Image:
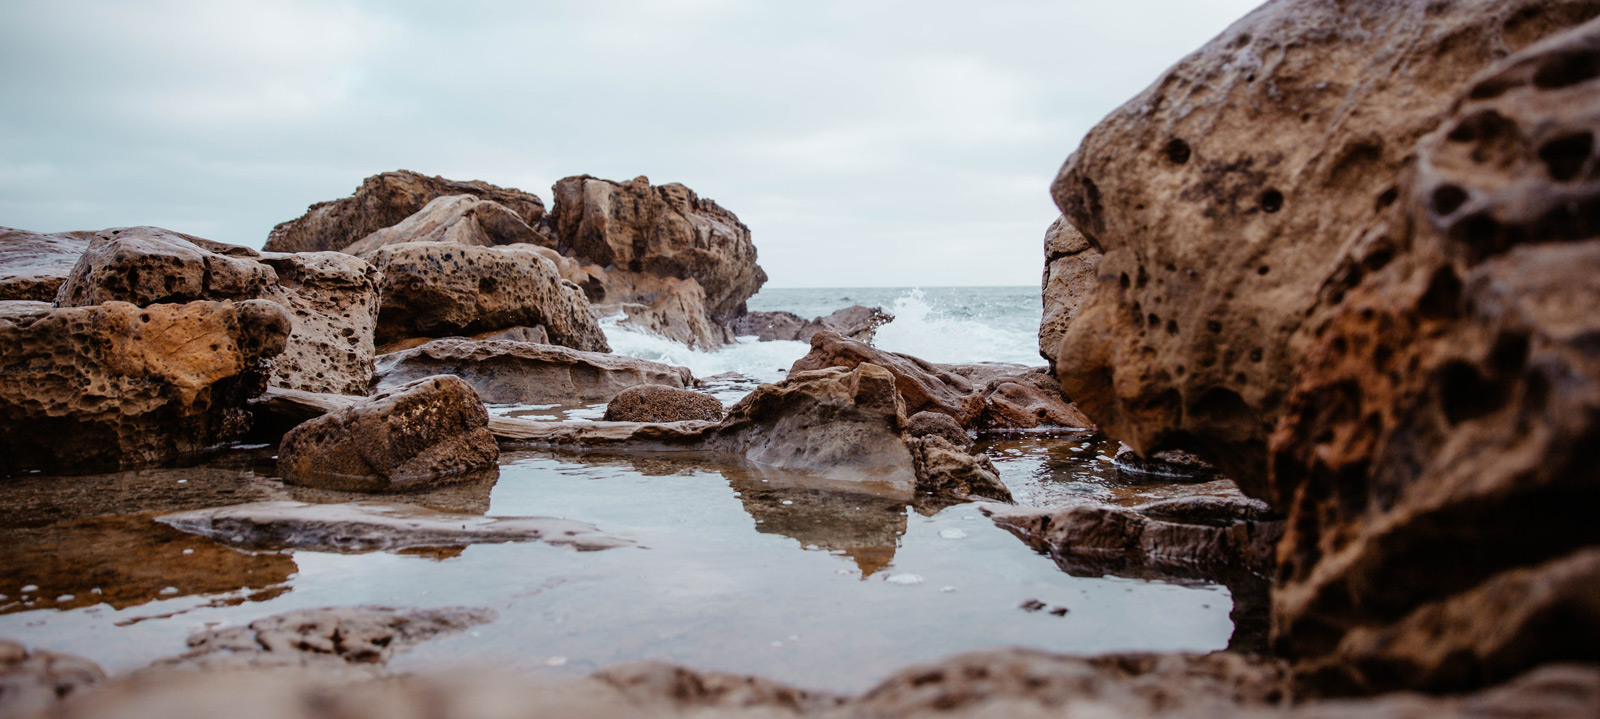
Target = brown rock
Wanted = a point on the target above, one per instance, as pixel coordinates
(412, 436)
(532, 335)
(948, 471)
(332, 300)
(1170, 465)
(1437, 457)
(1028, 399)
(33, 265)
(665, 230)
(663, 306)
(149, 265)
(856, 322)
(440, 289)
(385, 200)
(33, 681)
(1069, 277)
(924, 424)
(1116, 539)
(506, 372)
(114, 385)
(1223, 194)
(656, 403)
(458, 219)
(924, 385)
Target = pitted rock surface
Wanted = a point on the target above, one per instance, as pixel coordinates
(149, 265)
(657, 403)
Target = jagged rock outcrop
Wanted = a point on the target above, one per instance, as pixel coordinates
(1437, 457)
(856, 322)
(461, 219)
(440, 289)
(114, 385)
(1223, 195)
(1069, 277)
(33, 265)
(410, 437)
(332, 300)
(925, 386)
(665, 230)
(506, 372)
(657, 403)
(149, 265)
(385, 200)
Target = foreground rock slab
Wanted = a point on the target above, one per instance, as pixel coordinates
(33, 265)
(365, 527)
(32, 681)
(509, 372)
(412, 436)
(114, 385)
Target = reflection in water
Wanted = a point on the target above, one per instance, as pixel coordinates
(1044, 471)
(865, 527)
(467, 494)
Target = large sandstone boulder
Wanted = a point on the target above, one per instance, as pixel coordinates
(656, 403)
(1437, 458)
(925, 386)
(665, 230)
(33, 265)
(114, 385)
(506, 372)
(462, 219)
(440, 289)
(1223, 195)
(410, 437)
(385, 200)
(332, 300)
(1069, 276)
(149, 265)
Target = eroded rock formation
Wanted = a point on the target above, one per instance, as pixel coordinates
(149, 265)
(1069, 276)
(507, 372)
(332, 300)
(460, 219)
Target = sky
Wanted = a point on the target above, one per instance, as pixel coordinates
(864, 142)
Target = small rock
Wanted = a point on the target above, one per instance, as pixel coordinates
(656, 403)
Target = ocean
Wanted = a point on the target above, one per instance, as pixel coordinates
(938, 324)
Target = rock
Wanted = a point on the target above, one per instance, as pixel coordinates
(980, 374)
(114, 385)
(33, 265)
(948, 471)
(1436, 458)
(1069, 277)
(663, 306)
(385, 200)
(1223, 195)
(656, 403)
(770, 326)
(660, 683)
(440, 289)
(1171, 465)
(533, 335)
(1206, 509)
(1114, 539)
(367, 527)
(332, 300)
(924, 385)
(150, 265)
(1029, 399)
(409, 437)
(665, 230)
(33, 681)
(936, 424)
(457, 219)
(856, 322)
(505, 372)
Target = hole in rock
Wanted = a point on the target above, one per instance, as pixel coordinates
(1271, 201)
(1443, 296)
(1387, 198)
(1464, 394)
(1564, 156)
(1567, 68)
(1177, 151)
(1448, 199)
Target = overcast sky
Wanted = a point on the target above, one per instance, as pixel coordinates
(865, 143)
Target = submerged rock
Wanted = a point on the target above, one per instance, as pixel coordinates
(507, 372)
(33, 681)
(656, 403)
(332, 300)
(1069, 277)
(33, 265)
(409, 437)
(457, 219)
(856, 322)
(115, 385)
(366, 527)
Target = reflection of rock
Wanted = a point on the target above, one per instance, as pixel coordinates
(1069, 276)
(126, 561)
(465, 494)
(856, 322)
(32, 681)
(413, 436)
(655, 403)
(147, 265)
(115, 385)
(367, 527)
(33, 265)
(865, 527)
(522, 373)
(322, 638)
(948, 471)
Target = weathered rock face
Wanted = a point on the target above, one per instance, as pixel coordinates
(332, 300)
(149, 265)
(947, 470)
(1223, 195)
(114, 385)
(386, 200)
(925, 386)
(1117, 539)
(33, 265)
(508, 372)
(656, 403)
(1437, 458)
(409, 437)
(664, 306)
(856, 322)
(461, 219)
(923, 424)
(437, 289)
(665, 230)
(1031, 398)
(1069, 277)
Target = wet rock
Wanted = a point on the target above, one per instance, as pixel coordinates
(669, 307)
(385, 200)
(924, 385)
(366, 527)
(115, 385)
(856, 322)
(33, 265)
(666, 230)
(149, 265)
(867, 527)
(332, 300)
(442, 289)
(520, 373)
(412, 436)
(946, 470)
(656, 403)
(34, 681)
(1170, 465)
(1116, 539)
(925, 424)
(1223, 195)
(1029, 399)
(457, 219)
(1436, 459)
(1206, 509)
(1069, 278)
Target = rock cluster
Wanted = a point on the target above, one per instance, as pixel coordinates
(856, 322)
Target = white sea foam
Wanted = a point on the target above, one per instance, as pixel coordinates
(763, 361)
(923, 328)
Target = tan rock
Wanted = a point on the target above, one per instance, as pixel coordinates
(925, 386)
(33, 265)
(656, 403)
(1028, 399)
(460, 219)
(332, 300)
(149, 265)
(506, 372)
(1069, 277)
